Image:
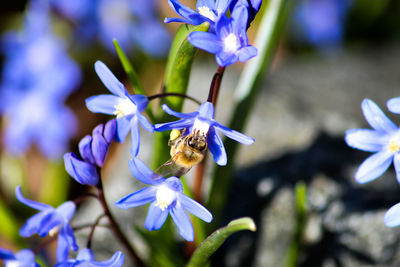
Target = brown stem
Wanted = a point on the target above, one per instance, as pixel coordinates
(215, 85)
(90, 237)
(115, 227)
(212, 97)
(79, 199)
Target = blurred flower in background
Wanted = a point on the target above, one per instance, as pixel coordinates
(135, 24)
(37, 77)
(321, 23)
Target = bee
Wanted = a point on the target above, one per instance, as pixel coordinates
(186, 151)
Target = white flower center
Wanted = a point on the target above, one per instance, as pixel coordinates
(125, 107)
(13, 263)
(231, 42)
(201, 127)
(165, 197)
(54, 231)
(206, 12)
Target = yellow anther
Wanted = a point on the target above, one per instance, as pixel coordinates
(394, 146)
(174, 134)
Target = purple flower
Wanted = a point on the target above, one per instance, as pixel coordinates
(93, 150)
(383, 140)
(166, 197)
(207, 10)
(50, 221)
(229, 43)
(203, 121)
(85, 257)
(127, 108)
(24, 258)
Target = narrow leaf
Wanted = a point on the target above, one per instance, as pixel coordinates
(202, 254)
(177, 77)
(268, 35)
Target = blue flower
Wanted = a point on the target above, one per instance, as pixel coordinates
(49, 221)
(229, 43)
(127, 108)
(394, 105)
(37, 75)
(321, 21)
(85, 258)
(207, 10)
(166, 197)
(203, 121)
(24, 258)
(383, 139)
(93, 150)
(253, 6)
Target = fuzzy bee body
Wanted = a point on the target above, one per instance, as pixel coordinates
(186, 151)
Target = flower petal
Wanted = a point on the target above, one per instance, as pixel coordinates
(366, 139)
(155, 217)
(396, 163)
(62, 248)
(25, 257)
(140, 171)
(179, 114)
(169, 20)
(185, 123)
(240, 16)
(145, 123)
(195, 208)
(32, 225)
(66, 210)
(182, 221)
(226, 58)
(216, 147)
(206, 41)
(109, 80)
(235, 135)
(117, 260)
(123, 127)
(373, 167)
(221, 6)
(141, 197)
(135, 136)
(83, 172)
(110, 131)
(182, 10)
(376, 118)
(392, 216)
(141, 101)
(85, 149)
(6, 254)
(99, 148)
(206, 110)
(394, 105)
(85, 254)
(246, 53)
(33, 204)
(102, 103)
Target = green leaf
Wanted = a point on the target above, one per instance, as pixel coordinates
(130, 71)
(177, 77)
(247, 90)
(301, 217)
(202, 254)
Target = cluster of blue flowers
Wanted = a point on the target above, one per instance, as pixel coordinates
(134, 23)
(38, 75)
(384, 141)
(227, 37)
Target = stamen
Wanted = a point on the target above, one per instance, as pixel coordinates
(231, 42)
(54, 231)
(394, 146)
(206, 12)
(200, 127)
(125, 107)
(165, 197)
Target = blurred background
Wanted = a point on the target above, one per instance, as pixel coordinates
(333, 54)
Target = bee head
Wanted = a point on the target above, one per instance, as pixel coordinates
(197, 142)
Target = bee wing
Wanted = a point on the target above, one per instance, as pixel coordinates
(170, 168)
